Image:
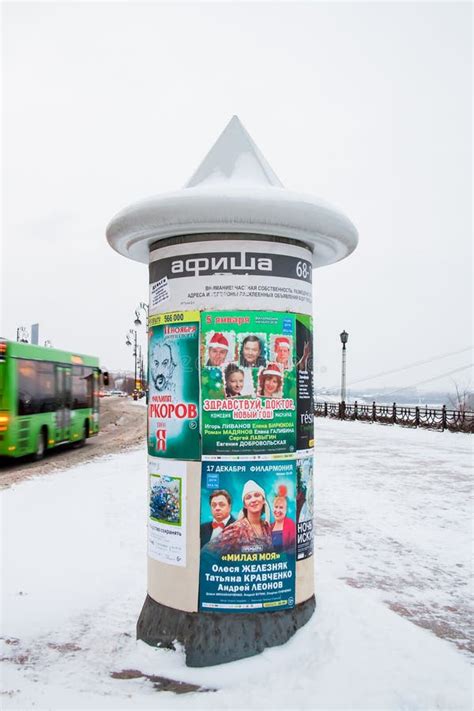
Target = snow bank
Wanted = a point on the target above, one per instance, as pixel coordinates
(389, 500)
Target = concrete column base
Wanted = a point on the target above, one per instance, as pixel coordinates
(214, 638)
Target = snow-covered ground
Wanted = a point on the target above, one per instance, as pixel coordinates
(394, 514)
(393, 544)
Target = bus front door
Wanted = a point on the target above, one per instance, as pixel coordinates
(63, 404)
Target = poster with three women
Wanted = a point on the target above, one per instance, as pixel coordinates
(248, 535)
(248, 382)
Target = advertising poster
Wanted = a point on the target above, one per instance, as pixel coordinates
(173, 402)
(167, 511)
(248, 535)
(304, 505)
(304, 378)
(248, 382)
(238, 274)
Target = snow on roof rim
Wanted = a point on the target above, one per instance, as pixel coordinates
(234, 189)
(269, 210)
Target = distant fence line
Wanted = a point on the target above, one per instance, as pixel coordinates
(426, 417)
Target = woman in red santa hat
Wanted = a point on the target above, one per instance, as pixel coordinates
(270, 381)
(282, 352)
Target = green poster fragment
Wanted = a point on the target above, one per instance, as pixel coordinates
(173, 407)
(248, 382)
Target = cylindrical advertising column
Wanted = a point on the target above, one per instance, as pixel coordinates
(230, 405)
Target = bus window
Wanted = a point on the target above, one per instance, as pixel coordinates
(82, 387)
(26, 387)
(46, 391)
(36, 389)
(95, 389)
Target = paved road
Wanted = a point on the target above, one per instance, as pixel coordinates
(123, 425)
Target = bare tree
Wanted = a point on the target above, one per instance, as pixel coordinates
(462, 397)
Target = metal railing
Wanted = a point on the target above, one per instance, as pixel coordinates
(408, 416)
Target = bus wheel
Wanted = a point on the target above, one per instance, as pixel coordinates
(40, 446)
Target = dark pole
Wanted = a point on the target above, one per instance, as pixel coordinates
(344, 336)
(133, 343)
(140, 367)
(141, 307)
(135, 354)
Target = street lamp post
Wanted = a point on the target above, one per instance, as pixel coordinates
(141, 307)
(138, 322)
(128, 340)
(141, 371)
(344, 336)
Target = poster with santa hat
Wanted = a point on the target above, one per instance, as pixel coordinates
(248, 382)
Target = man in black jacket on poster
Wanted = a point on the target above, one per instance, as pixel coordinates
(220, 502)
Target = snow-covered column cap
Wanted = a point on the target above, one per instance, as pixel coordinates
(234, 190)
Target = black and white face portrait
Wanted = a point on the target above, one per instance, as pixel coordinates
(162, 366)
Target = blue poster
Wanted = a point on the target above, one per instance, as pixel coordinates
(248, 536)
(304, 505)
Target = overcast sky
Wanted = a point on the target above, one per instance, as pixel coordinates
(366, 105)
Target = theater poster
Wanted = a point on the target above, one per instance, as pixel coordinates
(248, 535)
(173, 401)
(248, 382)
(304, 378)
(304, 505)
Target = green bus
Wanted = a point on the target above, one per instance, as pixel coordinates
(47, 397)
